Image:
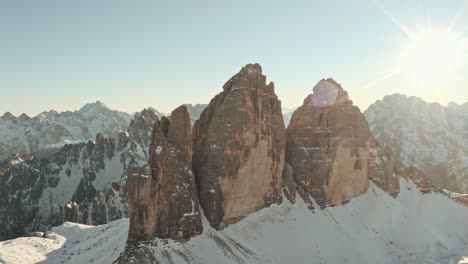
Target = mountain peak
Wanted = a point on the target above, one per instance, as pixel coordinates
(96, 106)
(8, 116)
(24, 117)
(247, 76)
(326, 92)
(158, 113)
(455, 106)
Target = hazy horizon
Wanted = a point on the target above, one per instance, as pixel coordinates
(132, 55)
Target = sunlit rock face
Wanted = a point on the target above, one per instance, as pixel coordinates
(327, 147)
(163, 200)
(239, 144)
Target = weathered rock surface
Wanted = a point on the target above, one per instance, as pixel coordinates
(383, 168)
(328, 143)
(163, 200)
(239, 149)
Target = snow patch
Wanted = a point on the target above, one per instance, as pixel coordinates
(158, 150)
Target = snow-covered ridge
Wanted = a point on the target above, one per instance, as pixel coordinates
(25, 135)
(425, 135)
(372, 228)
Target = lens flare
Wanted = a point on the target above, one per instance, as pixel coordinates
(433, 56)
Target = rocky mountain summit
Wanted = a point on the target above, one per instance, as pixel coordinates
(430, 137)
(244, 159)
(330, 152)
(239, 148)
(25, 135)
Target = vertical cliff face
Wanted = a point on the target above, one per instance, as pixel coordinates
(162, 196)
(239, 144)
(328, 143)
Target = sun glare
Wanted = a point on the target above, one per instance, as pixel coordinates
(430, 56)
(433, 56)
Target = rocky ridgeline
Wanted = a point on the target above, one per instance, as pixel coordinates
(330, 153)
(27, 135)
(428, 136)
(243, 158)
(84, 183)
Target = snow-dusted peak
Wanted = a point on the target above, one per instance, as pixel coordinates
(24, 117)
(93, 107)
(395, 104)
(8, 116)
(424, 135)
(158, 113)
(50, 129)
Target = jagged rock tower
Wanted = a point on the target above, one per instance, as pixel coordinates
(239, 144)
(162, 196)
(328, 148)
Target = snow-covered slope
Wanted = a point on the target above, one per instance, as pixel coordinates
(373, 228)
(69, 243)
(427, 136)
(25, 135)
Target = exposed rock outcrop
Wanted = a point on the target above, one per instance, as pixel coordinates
(328, 143)
(163, 200)
(239, 144)
(141, 126)
(383, 168)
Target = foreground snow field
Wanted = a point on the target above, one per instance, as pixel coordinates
(373, 228)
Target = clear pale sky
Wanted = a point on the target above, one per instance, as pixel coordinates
(134, 54)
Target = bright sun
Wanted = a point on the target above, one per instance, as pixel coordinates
(432, 56)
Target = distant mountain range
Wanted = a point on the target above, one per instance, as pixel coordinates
(428, 136)
(26, 135)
